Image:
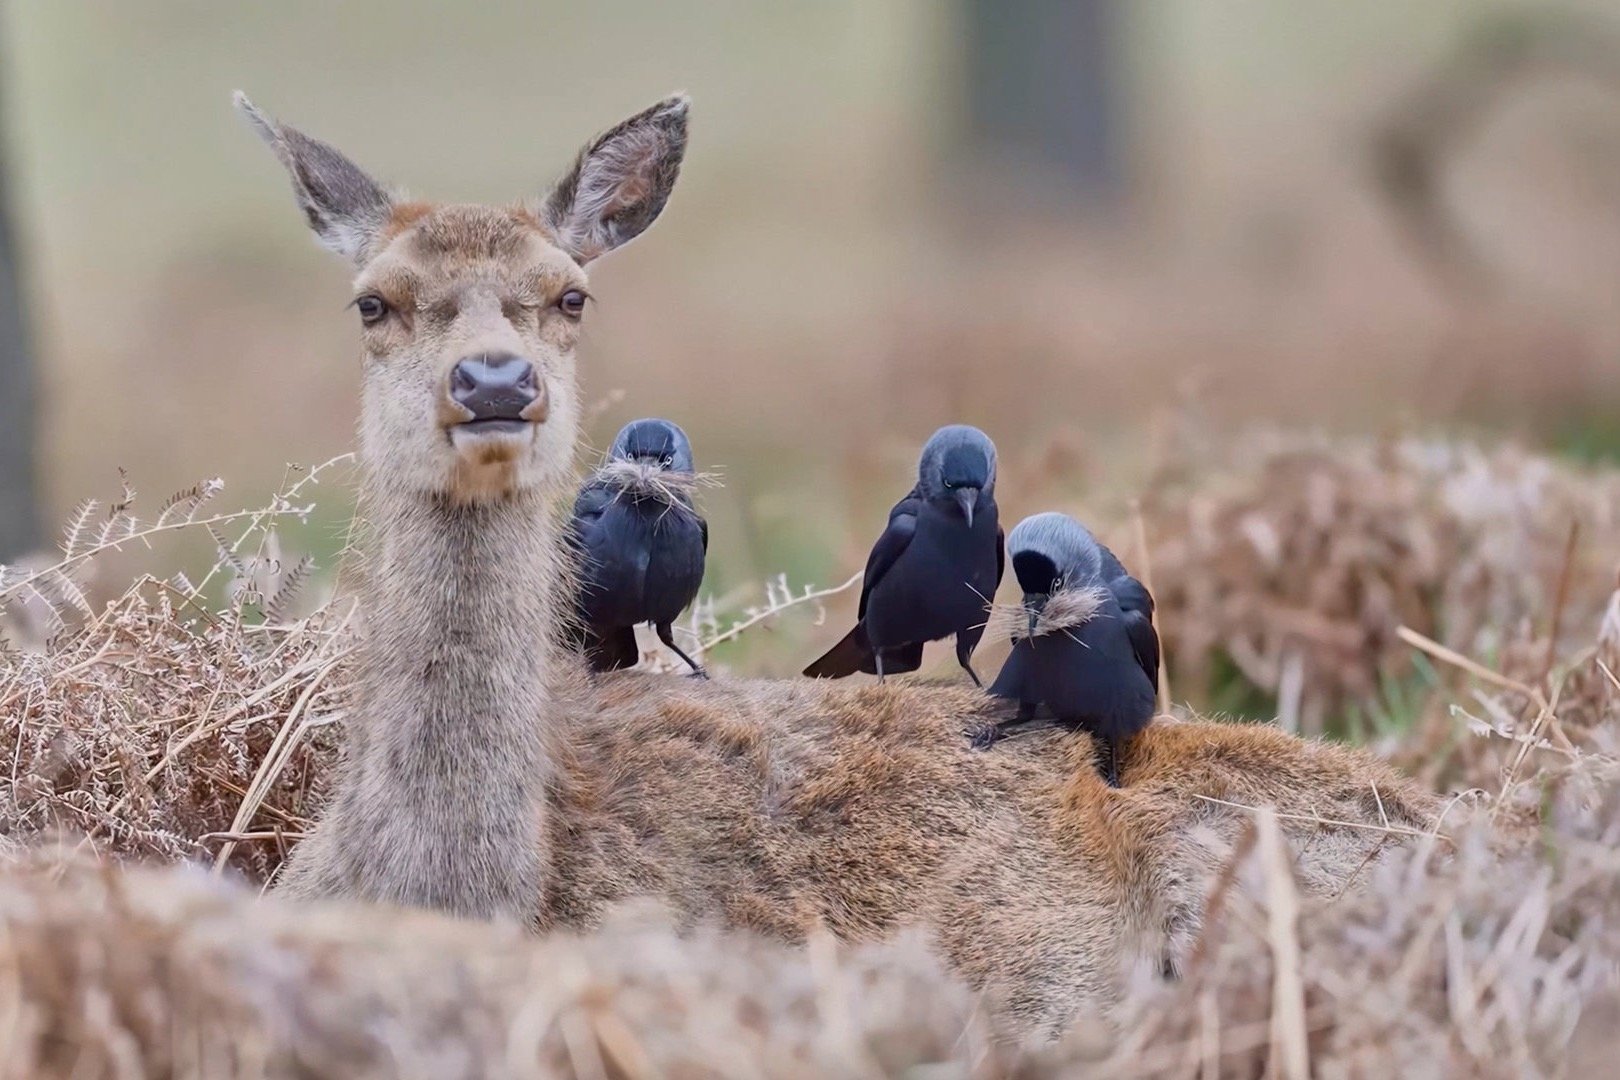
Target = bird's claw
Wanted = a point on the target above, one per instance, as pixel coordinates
(985, 737)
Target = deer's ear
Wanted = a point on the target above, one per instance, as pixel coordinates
(346, 208)
(621, 181)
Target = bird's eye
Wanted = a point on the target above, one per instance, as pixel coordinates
(572, 303)
(667, 460)
(372, 308)
(950, 485)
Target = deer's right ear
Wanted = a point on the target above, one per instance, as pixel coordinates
(347, 209)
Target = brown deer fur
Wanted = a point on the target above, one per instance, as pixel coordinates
(488, 776)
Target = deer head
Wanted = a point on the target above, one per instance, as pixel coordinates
(470, 314)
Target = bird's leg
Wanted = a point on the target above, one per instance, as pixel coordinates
(877, 660)
(667, 636)
(1108, 760)
(991, 733)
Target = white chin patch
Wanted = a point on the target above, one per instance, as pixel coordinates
(492, 442)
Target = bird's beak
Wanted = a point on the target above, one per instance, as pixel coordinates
(1034, 604)
(967, 498)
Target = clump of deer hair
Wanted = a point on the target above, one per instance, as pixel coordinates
(648, 480)
(1064, 610)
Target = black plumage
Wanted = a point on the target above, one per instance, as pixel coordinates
(1084, 645)
(641, 544)
(934, 570)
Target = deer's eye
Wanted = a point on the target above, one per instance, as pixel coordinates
(372, 308)
(572, 303)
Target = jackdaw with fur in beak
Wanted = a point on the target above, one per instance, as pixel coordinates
(641, 544)
(934, 570)
(1084, 645)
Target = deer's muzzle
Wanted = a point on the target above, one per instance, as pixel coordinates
(496, 391)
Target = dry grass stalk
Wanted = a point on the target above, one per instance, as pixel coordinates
(1288, 1037)
(1522, 740)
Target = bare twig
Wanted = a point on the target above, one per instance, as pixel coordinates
(1559, 599)
(1457, 659)
(1317, 819)
(774, 606)
(1146, 558)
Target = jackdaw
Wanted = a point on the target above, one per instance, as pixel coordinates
(934, 570)
(1083, 640)
(641, 544)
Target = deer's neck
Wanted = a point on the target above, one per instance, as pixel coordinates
(450, 752)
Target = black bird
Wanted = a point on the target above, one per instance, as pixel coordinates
(641, 544)
(1084, 645)
(935, 568)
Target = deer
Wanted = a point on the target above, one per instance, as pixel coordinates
(487, 775)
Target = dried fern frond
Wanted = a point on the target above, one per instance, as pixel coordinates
(144, 724)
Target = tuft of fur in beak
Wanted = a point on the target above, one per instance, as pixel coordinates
(1039, 616)
(644, 479)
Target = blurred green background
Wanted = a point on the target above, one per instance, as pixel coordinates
(1067, 223)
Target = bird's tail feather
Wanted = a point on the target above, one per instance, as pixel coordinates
(896, 661)
(615, 651)
(850, 655)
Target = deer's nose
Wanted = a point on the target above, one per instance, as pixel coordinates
(494, 386)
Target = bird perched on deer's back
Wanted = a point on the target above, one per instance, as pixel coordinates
(1084, 645)
(641, 544)
(935, 569)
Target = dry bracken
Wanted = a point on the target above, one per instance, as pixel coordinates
(1296, 559)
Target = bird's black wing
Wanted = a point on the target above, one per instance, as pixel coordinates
(891, 545)
(585, 530)
(1112, 570)
(1001, 563)
(592, 500)
(582, 536)
(1136, 603)
(703, 526)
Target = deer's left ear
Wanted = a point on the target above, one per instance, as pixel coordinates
(620, 182)
(347, 209)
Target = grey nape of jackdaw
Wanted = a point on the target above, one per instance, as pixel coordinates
(934, 570)
(641, 544)
(1084, 645)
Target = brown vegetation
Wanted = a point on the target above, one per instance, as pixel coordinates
(1444, 958)
(155, 972)
(1295, 560)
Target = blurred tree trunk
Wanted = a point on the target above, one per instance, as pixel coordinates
(19, 509)
(1045, 86)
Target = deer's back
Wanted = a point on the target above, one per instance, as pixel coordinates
(776, 805)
